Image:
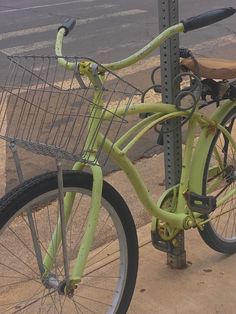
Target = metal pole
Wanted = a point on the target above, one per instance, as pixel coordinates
(168, 15)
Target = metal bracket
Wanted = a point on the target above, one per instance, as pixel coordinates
(16, 158)
(96, 78)
(79, 78)
(32, 227)
(63, 222)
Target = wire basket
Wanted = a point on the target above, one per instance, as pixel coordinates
(46, 108)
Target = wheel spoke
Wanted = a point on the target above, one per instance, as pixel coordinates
(83, 306)
(220, 181)
(104, 282)
(34, 301)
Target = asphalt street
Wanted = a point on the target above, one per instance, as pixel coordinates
(106, 31)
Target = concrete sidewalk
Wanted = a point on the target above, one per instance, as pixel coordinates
(207, 285)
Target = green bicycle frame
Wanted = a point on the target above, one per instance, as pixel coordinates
(193, 163)
(193, 159)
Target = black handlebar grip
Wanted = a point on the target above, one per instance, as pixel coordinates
(207, 18)
(68, 25)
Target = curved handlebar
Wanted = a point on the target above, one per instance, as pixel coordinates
(192, 23)
(139, 55)
(58, 50)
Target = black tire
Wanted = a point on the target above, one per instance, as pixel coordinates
(220, 232)
(35, 194)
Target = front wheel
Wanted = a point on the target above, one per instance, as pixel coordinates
(109, 278)
(218, 180)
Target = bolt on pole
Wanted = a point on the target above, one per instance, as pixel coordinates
(168, 15)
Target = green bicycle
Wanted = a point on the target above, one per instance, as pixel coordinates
(68, 240)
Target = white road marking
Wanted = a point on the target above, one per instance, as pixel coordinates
(147, 63)
(29, 31)
(44, 6)
(220, 42)
(52, 27)
(35, 46)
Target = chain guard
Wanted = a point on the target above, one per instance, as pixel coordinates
(167, 202)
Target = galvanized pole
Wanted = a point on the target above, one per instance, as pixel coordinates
(168, 15)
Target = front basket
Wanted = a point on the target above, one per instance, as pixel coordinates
(47, 108)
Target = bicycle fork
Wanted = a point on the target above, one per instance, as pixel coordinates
(59, 235)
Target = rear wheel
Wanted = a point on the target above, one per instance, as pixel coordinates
(109, 278)
(219, 179)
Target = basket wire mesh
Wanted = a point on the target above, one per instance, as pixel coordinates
(47, 108)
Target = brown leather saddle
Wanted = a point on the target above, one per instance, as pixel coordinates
(211, 68)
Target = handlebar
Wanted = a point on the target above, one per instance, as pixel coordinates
(58, 50)
(139, 55)
(68, 25)
(189, 24)
(207, 18)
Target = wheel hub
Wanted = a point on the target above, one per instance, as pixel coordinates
(64, 290)
(51, 282)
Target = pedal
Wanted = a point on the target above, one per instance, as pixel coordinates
(160, 244)
(200, 203)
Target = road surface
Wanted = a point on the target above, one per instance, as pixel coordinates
(106, 31)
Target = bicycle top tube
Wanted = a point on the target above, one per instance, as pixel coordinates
(189, 24)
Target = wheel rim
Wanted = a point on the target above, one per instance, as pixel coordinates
(220, 179)
(102, 286)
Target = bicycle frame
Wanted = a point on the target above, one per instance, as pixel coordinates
(194, 159)
(191, 175)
